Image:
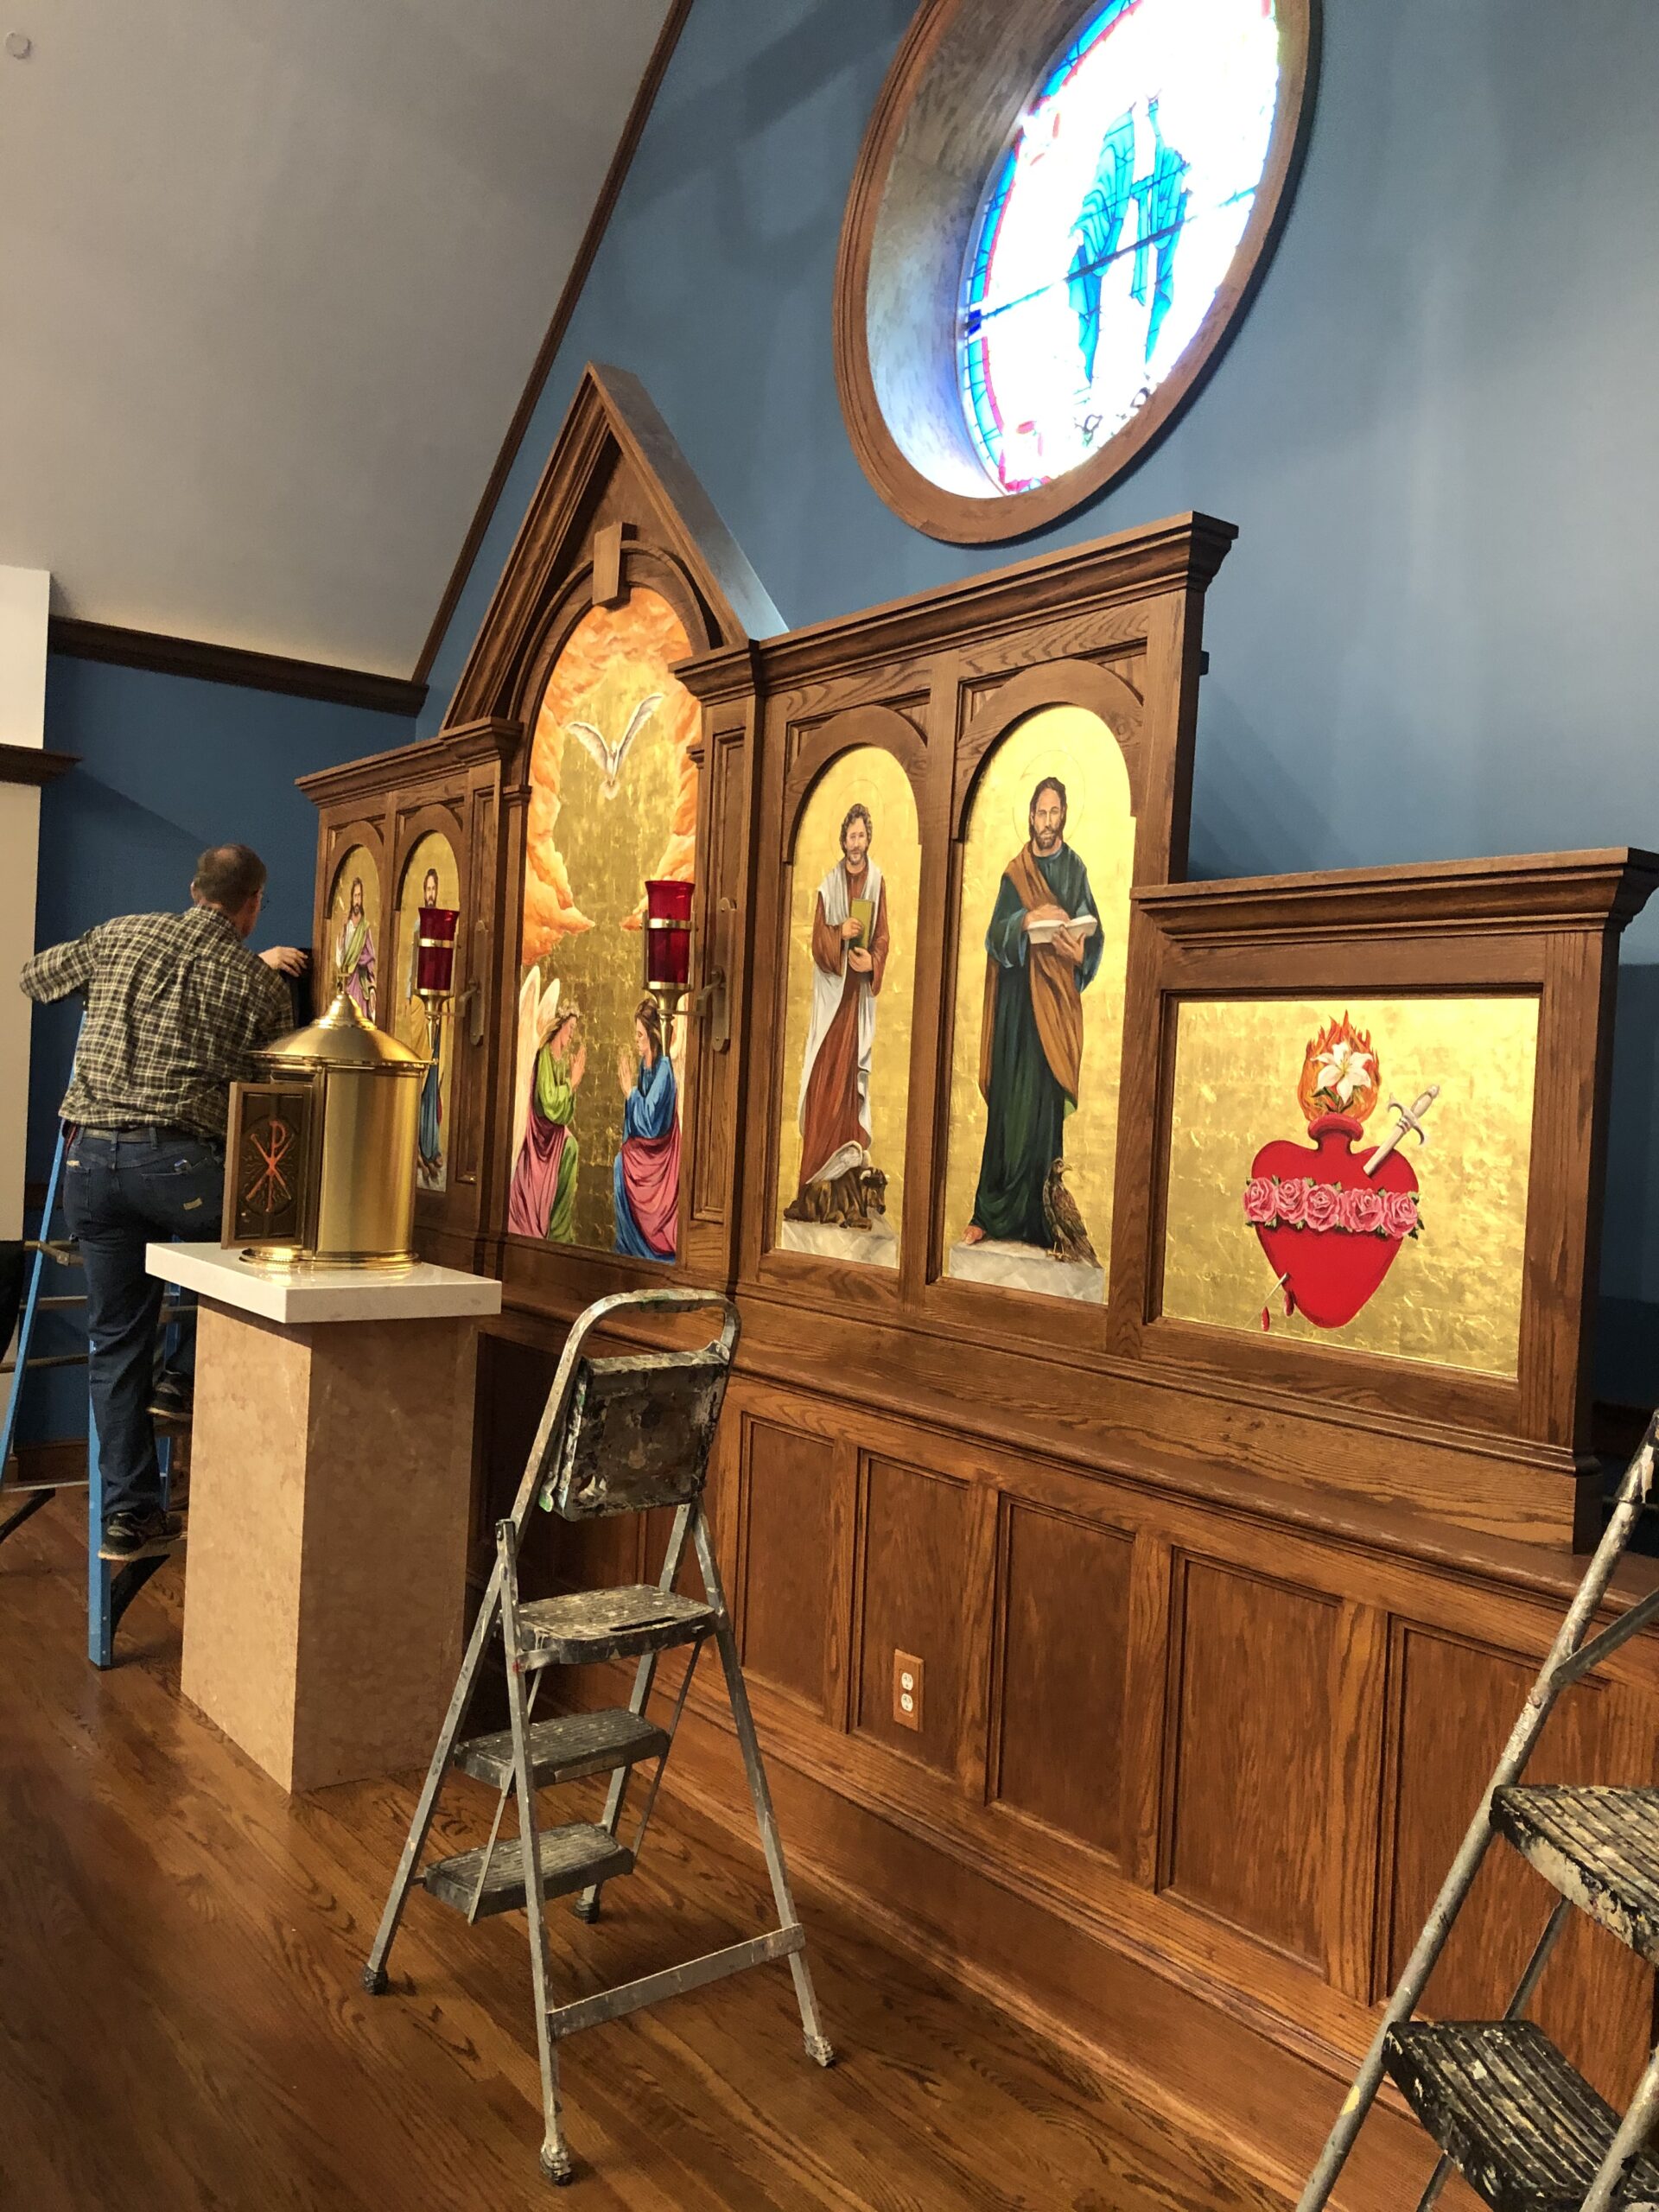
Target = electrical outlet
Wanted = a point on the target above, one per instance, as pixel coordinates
(907, 1690)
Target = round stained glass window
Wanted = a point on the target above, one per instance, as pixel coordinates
(1060, 211)
(1111, 226)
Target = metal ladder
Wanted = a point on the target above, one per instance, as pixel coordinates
(111, 1588)
(1524, 2129)
(617, 1435)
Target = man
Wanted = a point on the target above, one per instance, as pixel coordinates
(175, 1007)
(1038, 966)
(850, 957)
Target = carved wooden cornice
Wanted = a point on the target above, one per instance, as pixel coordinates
(459, 748)
(1577, 890)
(1179, 556)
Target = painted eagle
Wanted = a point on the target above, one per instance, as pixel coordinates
(1068, 1238)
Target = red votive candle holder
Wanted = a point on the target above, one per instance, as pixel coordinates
(668, 934)
(435, 949)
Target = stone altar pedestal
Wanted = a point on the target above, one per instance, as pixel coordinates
(330, 1483)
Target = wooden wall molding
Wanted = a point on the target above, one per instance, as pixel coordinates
(235, 665)
(943, 118)
(33, 763)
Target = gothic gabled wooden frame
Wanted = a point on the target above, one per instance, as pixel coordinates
(618, 507)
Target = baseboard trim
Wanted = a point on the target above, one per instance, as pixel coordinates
(50, 1464)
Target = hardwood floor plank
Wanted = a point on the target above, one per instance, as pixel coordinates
(182, 2022)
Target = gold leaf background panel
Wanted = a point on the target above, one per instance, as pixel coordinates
(588, 854)
(356, 866)
(1079, 747)
(875, 777)
(405, 1013)
(1452, 1295)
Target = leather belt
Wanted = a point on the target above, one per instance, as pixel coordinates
(150, 1132)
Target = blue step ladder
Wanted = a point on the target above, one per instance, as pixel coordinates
(111, 1586)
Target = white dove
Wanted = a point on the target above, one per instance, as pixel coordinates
(608, 758)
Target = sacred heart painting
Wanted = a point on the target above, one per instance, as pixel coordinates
(1393, 1219)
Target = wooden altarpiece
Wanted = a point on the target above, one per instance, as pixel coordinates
(617, 511)
(1218, 1626)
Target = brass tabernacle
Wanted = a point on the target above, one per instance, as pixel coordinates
(320, 1157)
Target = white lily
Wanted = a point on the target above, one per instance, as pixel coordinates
(1344, 1069)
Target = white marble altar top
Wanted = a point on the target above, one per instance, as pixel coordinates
(419, 1292)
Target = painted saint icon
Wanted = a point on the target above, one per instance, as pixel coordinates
(542, 1202)
(646, 1176)
(851, 945)
(1043, 948)
(354, 953)
(429, 1135)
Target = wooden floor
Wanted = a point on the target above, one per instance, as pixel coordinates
(182, 2024)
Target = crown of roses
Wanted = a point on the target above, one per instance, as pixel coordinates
(1298, 1201)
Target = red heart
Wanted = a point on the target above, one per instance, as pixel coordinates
(1330, 1273)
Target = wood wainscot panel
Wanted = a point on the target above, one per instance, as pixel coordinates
(1452, 1703)
(1062, 1672)
(787, 1546)
(925, 1547)
(1252, 1667)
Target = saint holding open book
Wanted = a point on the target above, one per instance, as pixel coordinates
(1042, 949)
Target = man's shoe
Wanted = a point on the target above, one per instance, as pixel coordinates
(170, 1399)
(135, 1535)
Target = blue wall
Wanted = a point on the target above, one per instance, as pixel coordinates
(170, 765)
(1436, 430)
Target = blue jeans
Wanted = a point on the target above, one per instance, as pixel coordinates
(121, 1193)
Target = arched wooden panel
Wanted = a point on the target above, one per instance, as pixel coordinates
(880, 725)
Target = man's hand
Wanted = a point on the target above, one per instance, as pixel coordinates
(1068, 946)
(862, 963)
(287, 959)
(1035, 915)
(850, 928)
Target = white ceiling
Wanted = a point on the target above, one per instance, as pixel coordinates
(272, 276)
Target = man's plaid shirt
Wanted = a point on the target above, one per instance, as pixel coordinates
(175, 1007)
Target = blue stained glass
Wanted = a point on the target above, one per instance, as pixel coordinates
(1111, 225)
